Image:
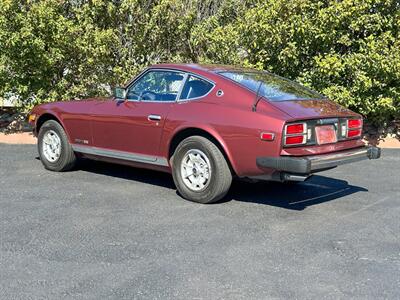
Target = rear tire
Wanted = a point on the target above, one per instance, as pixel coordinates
(54, 149)
(200, 171)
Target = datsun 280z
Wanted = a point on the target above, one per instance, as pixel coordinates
(205, 124)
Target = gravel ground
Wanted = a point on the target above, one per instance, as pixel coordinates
(113, 232)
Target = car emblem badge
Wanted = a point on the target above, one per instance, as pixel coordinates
(79, 141)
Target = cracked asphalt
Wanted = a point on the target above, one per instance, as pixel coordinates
(114, 232)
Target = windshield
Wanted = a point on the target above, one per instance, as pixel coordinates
(273, 87)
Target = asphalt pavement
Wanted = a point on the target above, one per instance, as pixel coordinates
(112, 232)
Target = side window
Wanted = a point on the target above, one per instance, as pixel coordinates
(195, 87)
(156, 86)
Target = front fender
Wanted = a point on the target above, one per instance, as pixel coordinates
(43, 114)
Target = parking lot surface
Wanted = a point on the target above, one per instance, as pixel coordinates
(114, 232)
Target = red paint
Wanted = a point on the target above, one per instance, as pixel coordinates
(309, 109)
(229, 118)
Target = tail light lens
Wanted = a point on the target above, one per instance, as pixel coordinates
(354, 128)
(354, 123)
(295, 134)
(295, 140)
(295, 128)
(354, 133)
(267, 136)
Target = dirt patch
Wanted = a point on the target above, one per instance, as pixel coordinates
(388, 142)
(17, 138)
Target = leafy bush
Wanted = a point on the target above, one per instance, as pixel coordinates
(57, 50)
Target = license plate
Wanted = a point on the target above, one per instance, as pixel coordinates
(325, 134)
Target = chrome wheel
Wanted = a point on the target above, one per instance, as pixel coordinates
(51, 146)
(196, 170)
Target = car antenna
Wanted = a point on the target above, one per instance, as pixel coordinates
(254, 108)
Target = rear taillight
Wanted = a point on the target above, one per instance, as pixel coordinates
(295, 128)
(354, 123)
(319, 131)
(354, 133)
(295, 140)
(354, 128)
(295, 134)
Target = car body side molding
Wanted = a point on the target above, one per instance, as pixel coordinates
(135, 157)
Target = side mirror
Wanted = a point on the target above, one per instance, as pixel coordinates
(120, 93)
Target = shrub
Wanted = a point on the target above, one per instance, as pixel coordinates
(57, 50)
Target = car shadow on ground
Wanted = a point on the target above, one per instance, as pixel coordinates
(316, 190)
(126, 172)
(295, 196)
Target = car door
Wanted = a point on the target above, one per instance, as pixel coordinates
(135, 125)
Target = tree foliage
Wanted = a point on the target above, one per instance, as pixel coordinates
(348, 50)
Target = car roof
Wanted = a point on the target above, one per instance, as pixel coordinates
(202, 68)
(209, 71)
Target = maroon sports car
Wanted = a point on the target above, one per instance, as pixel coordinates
(204, 124)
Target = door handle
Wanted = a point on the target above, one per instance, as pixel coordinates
(154, 118)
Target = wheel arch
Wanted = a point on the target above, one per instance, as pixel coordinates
(46, 117)
(184, 133)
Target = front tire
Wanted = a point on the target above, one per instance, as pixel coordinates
(54, 149)
(200, 171)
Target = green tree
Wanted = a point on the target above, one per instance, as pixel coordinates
(348, 50)
(57, 50)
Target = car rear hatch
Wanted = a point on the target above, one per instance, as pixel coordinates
(318, 126)
(307, 109)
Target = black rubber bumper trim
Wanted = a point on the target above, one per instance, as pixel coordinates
(309, 164)
(287, 164)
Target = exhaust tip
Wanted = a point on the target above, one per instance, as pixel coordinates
(294, 177)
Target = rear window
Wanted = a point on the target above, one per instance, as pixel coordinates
(195, 88)
(271, 86)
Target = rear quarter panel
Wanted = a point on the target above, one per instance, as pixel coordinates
(233, 124)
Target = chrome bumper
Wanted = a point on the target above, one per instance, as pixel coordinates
(315, 163)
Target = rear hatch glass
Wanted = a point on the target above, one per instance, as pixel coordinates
(270, 86)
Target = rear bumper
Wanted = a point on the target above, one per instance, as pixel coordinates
(315, 163)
